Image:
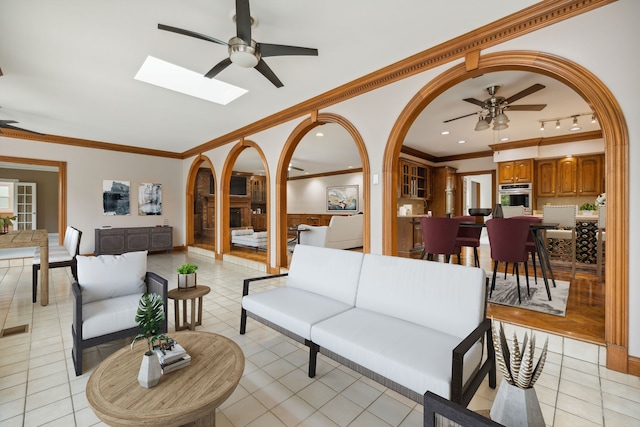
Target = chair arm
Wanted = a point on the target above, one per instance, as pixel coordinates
(159, 285)
(460, 393)
(77, 308)
(245, 284)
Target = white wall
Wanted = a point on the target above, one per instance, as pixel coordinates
(87, 168)
(310, 195)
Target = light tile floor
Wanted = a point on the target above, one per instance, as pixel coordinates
(38, 385)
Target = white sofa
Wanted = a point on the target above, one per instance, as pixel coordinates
(248, 237)
(412, 325)
(343, 232)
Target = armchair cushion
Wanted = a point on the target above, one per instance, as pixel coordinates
(112, 276)
(108, 315)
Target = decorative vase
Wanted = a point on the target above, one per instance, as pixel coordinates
(150, 371)
(516, 407)
(187, 281)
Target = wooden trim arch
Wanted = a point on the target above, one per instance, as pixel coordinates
(317, 119)
(616, 139)
(224, 245)
(191, 182)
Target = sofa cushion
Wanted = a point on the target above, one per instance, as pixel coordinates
(330, 272)
(293, 309)
(111, 276)
(411, 355)
(424, 292)
(109, 315)
(242, 232)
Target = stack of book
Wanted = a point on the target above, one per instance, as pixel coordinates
(173, 359)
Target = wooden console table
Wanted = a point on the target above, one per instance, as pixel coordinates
(25, 239)
(116, 241)
(187, 395)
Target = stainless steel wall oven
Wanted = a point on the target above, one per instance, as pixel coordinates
(516, 195)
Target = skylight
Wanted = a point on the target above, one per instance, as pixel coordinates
(169, 76)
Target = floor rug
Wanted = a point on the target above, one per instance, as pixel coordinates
(506, 293)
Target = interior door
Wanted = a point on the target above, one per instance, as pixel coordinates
(25, 205)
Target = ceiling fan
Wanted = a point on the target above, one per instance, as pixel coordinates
(6, 124)
(291, 166)
(243, 50)
(493, 108)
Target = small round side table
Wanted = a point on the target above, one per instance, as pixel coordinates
(188, 295)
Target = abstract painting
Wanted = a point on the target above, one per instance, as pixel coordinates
(150, 199)
(342, 198)
(115, 197)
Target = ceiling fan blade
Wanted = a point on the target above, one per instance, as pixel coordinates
(528, 91)
(243, 21)
(218, 67)
(527, 107)
(270, 75)
(267, 49)
(461, 117)
(297, 168)
(191, 34)
(4, 125)
(475, 101)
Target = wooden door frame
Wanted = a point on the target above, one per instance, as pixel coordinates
(190, 195)
(62, 186)
(494, 184)
(616, 138)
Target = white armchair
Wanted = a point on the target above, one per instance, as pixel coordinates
(343, 232)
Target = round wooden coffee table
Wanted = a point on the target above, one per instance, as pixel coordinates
(187, 395)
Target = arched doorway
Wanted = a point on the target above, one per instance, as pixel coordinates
(201, 204)
(281, 184)
(239, 209)
(615, 134)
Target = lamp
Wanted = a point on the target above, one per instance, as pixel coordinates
(557, 124)
(574, 124)
(482, 124)
(500, 121)
(541, 125)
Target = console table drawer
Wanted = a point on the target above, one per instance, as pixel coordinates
(114, 241)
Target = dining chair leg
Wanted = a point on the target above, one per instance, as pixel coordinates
(573, 253)
(526, 274)
(599, 248)
(518, 283)
(506, 268)
(535, 275)
(475, 256)
(493, 281)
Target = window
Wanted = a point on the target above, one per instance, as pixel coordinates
(6, 196)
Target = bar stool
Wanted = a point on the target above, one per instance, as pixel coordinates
(565, 217)
(600, 240)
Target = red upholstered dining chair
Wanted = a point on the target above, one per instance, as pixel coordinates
(531, 245)
(468, 236)
(439, 237)
(508, 240)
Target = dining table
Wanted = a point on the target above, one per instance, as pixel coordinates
(28, 238)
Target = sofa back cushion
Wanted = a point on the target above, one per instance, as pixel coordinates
(351, 225)
(330, 272)
(446, 297)
(110, 276)
(242, 232)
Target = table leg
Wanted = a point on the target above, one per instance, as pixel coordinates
(544, 260)
(176, 314)
(44, 274)
(184, 314)
(198, 321)
(192, 324)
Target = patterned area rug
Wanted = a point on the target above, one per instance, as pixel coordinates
(506, 293)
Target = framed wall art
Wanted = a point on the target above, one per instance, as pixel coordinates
(115, 197)
(342, 198)
(150, 199)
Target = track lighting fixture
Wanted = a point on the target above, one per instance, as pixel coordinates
(574, 121)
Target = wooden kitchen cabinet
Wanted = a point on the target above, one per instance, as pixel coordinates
(258, 189)
(590, 175)
(415, 180)
(546, 178)
(567, 177)
(516, 172)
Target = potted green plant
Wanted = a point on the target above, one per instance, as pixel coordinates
(187, 276)
(5, 222)
(149, 317)
(587, 208)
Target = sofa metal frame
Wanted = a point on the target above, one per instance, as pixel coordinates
(441, 412)
(460, 393)
(154, 283)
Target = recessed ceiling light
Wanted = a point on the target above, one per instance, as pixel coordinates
(462, 141)
(318, 134)
(349, 167)
(445, 132)
(173, 77)
(504, 139)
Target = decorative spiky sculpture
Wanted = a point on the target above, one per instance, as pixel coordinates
(517, 365)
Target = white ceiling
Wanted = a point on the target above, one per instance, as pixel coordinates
(69, 65)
